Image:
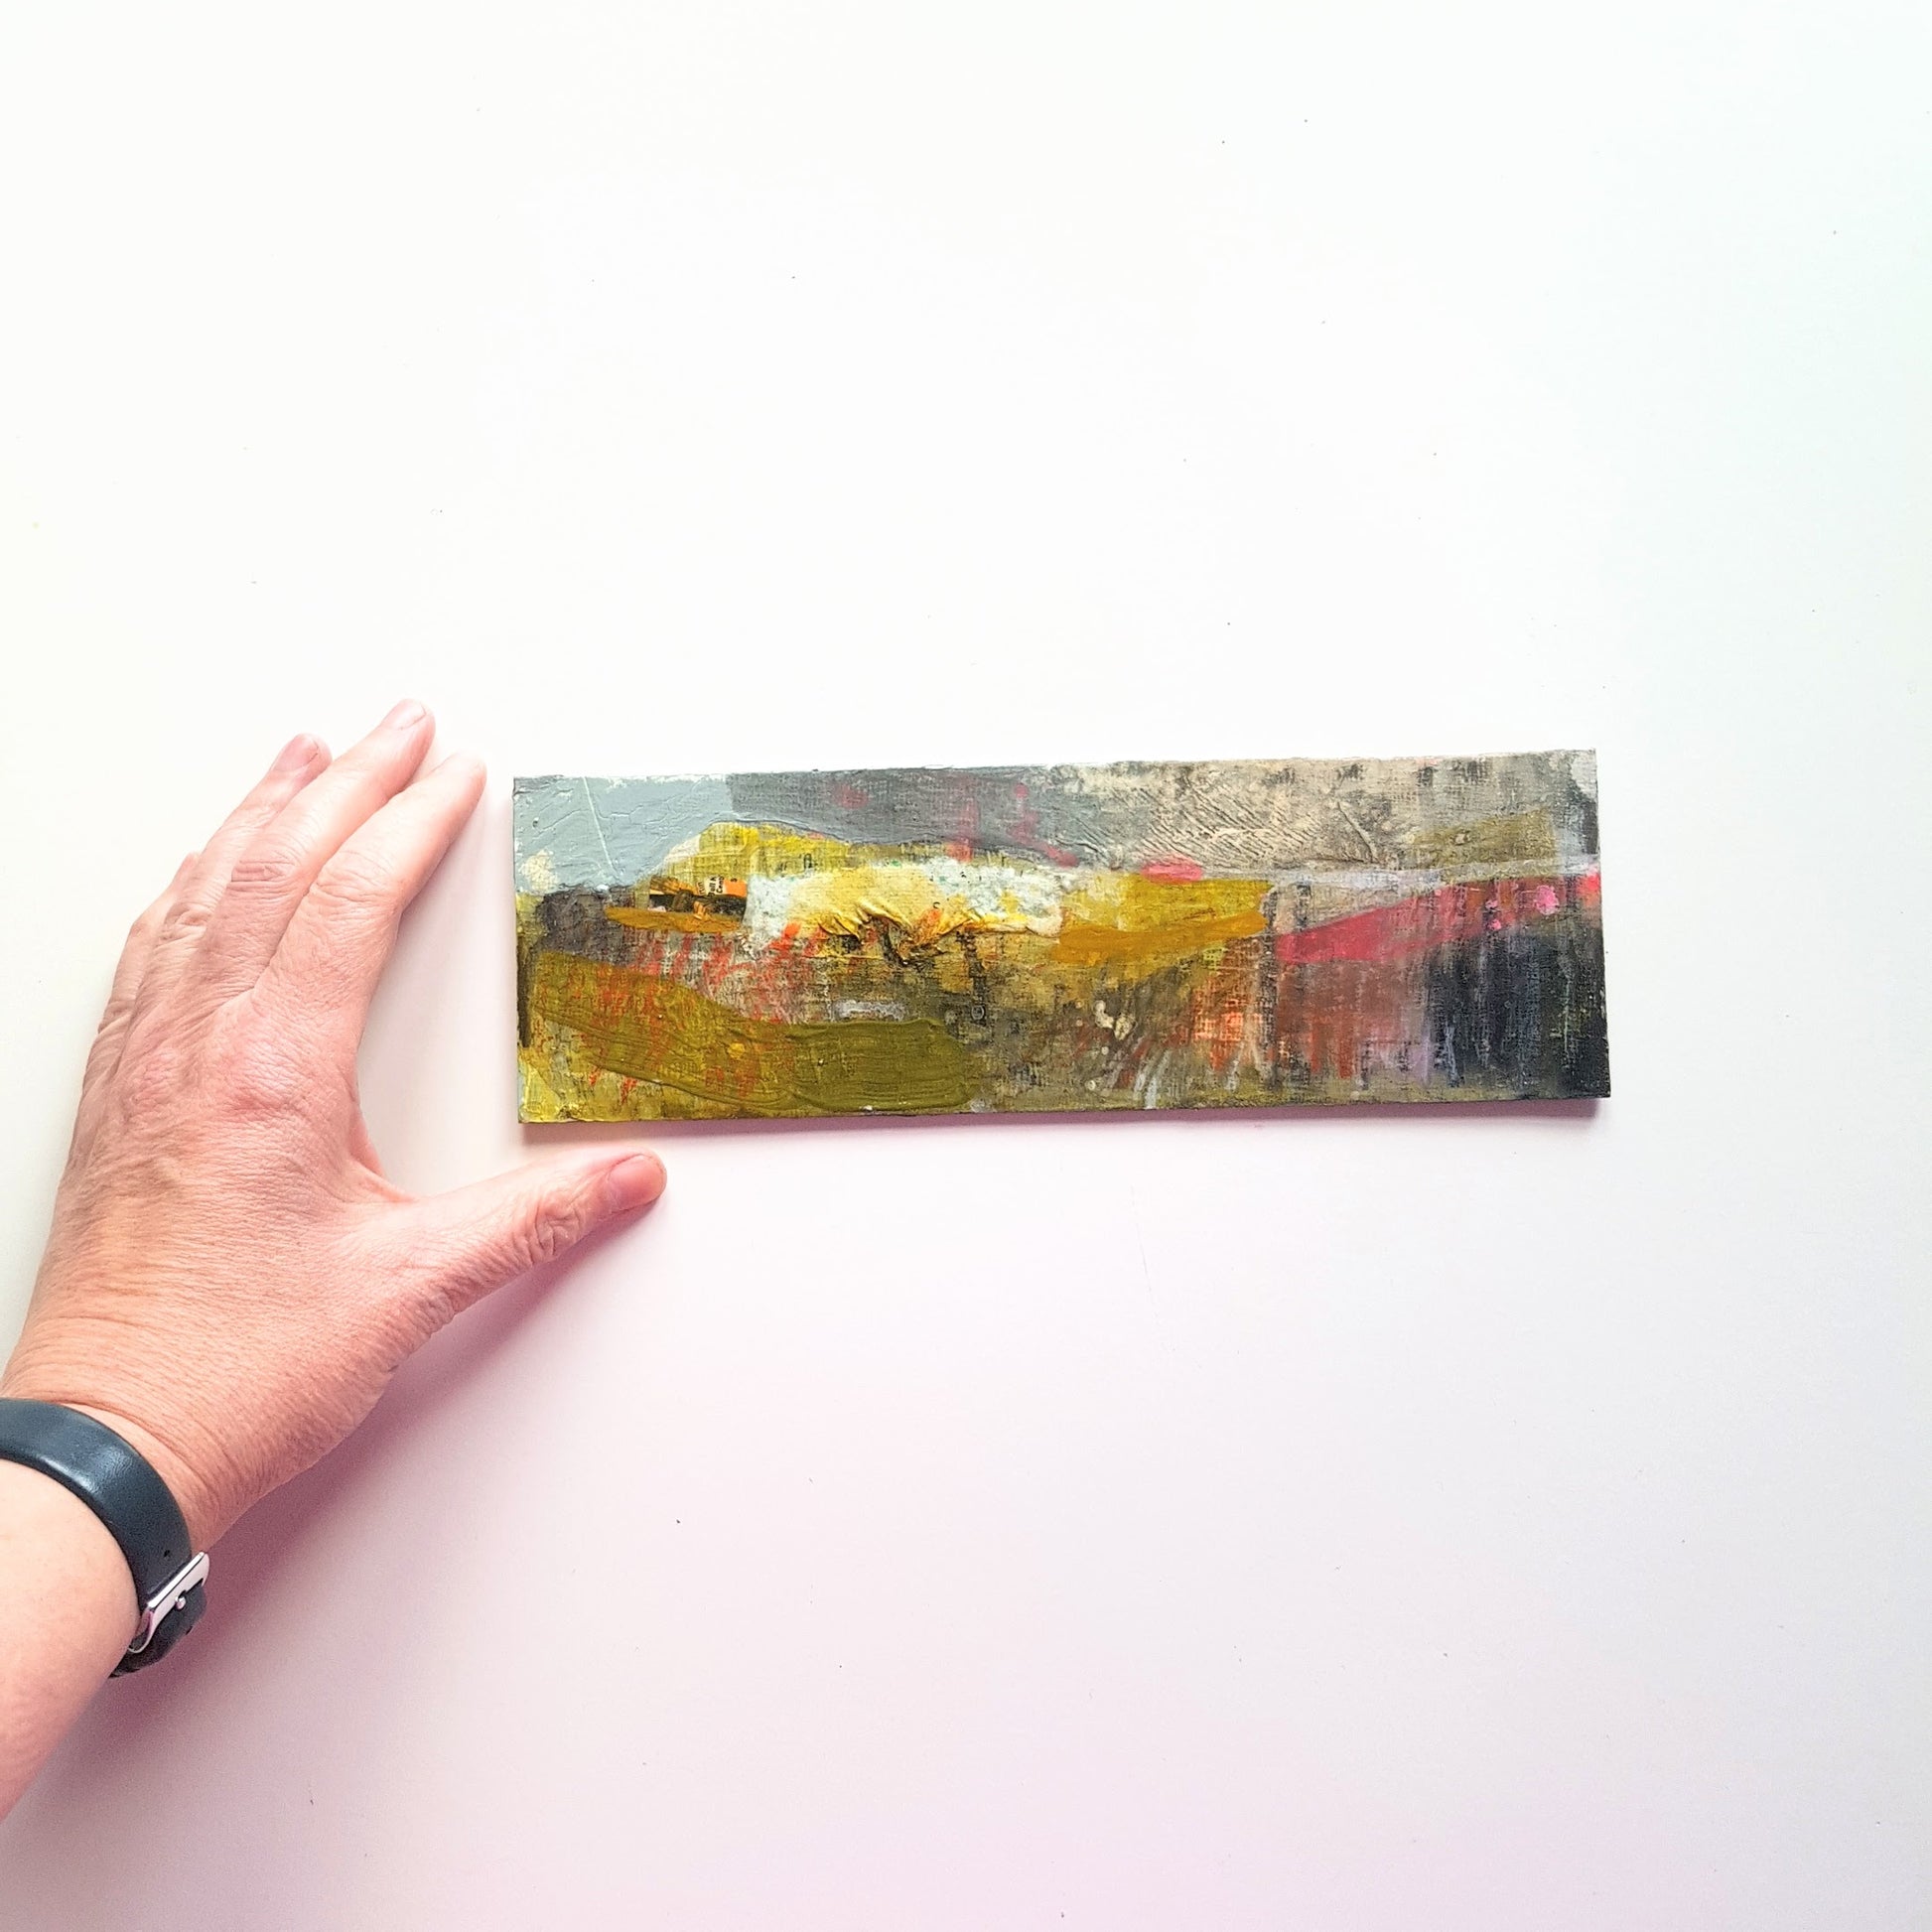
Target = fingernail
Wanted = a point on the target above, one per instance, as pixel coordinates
(408, 713)
(295, 754)
(636, 1182)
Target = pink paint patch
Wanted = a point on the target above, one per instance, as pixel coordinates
(1178, 871)
(1438, 918)
(851, 798)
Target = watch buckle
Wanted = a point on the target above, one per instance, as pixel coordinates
(169, 1598)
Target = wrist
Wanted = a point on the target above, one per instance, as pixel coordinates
(109, 1474)
(182, 1485)
(56, 1551)
(66, 1613)
(191, 1493)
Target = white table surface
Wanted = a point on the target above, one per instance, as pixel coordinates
(1488, 1520)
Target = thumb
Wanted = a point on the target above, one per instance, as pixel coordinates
(474, 1239)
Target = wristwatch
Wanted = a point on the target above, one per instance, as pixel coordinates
(120, 1485)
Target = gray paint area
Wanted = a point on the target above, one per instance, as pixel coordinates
(603, 833)
(1235, 818)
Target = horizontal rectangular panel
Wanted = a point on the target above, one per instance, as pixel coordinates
(1060, 938)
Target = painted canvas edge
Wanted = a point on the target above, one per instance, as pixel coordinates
(1585, 765)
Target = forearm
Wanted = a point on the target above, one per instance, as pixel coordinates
(66, 1615)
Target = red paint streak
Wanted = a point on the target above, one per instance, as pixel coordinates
(1344, 1017)
(715, 967)
(851, 798)
(1181, 871)
(1220, 1014)
(1437, 918)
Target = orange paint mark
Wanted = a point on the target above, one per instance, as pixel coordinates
(646, 919)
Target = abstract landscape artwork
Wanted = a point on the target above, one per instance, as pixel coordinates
(1062, 938)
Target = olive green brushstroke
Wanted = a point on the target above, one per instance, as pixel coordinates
(650, 1029)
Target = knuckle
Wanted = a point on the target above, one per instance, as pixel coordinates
(147, 1084)
(268, 872)
(355, 881)
(257, 1078)
(556, 1228)
(186, 921)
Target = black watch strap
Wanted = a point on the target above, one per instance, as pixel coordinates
(120, 1486)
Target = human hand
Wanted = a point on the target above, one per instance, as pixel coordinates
(231, 1282)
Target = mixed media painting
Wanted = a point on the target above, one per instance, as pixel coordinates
(1064, 937)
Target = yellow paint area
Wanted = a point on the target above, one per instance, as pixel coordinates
(1127, 918)
(617, 1020)
(935, 944)
(726, 848)
(851, 899)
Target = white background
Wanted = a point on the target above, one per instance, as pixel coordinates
(1391, 1519)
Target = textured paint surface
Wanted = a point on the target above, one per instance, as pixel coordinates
(1066, 937)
